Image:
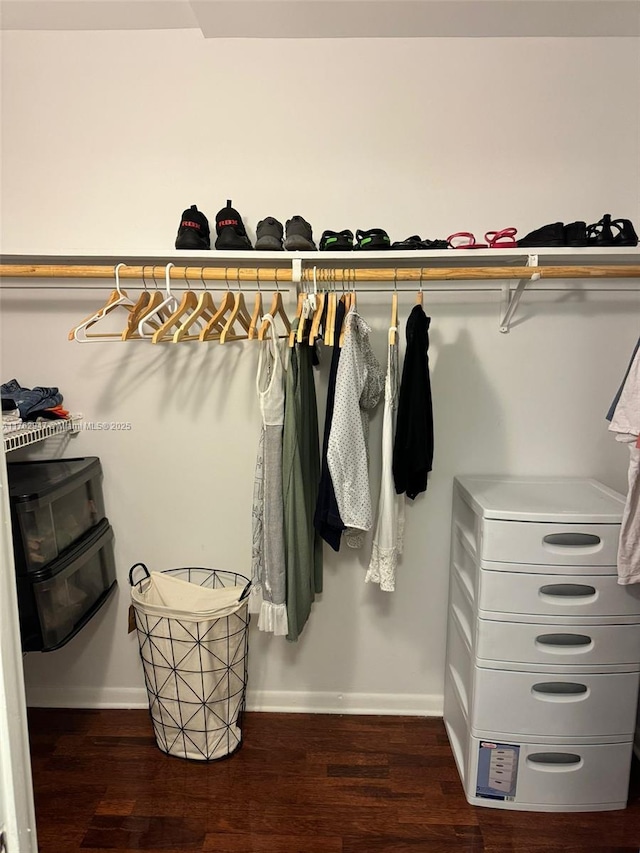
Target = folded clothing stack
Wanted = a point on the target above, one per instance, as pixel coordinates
(30, 404)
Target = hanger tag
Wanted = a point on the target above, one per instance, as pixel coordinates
(132, 619)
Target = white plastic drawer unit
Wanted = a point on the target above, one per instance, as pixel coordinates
(537, 703)
(554, 777)
(556, 645)
(573, 596)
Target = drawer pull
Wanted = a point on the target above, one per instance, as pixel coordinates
(564, 642)
(557, 762)
(572, 540)
(569, 590)
(560, 691)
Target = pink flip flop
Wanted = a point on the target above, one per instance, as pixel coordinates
(469, 237)
(504, 239)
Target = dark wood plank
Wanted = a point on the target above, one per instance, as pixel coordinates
(300, 784)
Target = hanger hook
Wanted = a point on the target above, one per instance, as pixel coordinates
(116, 270)
(144, 281)
(238, 282)
(277, 283)
(186, 278)
(315, 281)
(226, 277)
(395, 279)
(167, 278)
(204, 284)
(258, 278)
(420, 278)
(153, 276)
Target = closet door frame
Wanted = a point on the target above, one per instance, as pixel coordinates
(17, 815)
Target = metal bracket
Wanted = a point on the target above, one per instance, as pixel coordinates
(510, 301)
(296, 273)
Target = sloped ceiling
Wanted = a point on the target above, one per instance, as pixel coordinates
(333, 18)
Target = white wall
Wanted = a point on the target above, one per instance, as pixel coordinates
(107, 137)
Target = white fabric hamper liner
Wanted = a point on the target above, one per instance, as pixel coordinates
(193, 645)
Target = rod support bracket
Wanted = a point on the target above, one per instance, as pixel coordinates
(296, 273)
(510, 301)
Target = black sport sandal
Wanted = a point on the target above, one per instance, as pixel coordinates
(373, 239)
(336, 241)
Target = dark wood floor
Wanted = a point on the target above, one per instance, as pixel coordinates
(300, 784)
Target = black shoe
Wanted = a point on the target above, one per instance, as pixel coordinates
(373, 239)
(193, 232)
(600, 233)
(435, 244)
(575, 234)
(548, 235)
(414, 242)
(230, 229)
(269, 235)
(299, 236)
(336, 241)
(626, 235)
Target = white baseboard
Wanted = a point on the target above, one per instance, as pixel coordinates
(411, 704)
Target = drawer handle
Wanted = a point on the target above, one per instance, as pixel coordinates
(572, 540)
(566, 643)
(560, 691)
(558, 762)
(569, 590)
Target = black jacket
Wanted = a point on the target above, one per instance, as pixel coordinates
(413, 445)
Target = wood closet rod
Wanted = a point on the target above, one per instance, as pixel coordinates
(325, 275)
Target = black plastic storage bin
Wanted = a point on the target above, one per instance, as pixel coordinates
(56, 602)
(53, 504)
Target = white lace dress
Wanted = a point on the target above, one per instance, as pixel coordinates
(389, 532)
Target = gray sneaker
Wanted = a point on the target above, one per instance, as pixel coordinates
(269, 235)
(299, 236)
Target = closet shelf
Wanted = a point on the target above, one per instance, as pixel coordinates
(389, 258)
(23, 434)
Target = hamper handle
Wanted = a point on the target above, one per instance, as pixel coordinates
(132, 570)
(245, 591)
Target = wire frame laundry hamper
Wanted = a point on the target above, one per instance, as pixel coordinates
(195, 668)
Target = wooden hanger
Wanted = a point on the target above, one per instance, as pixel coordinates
(276, 310)
(346, 300)
(393, 330)
(204, 311)
(240, 314)
(116, 299)
(214, 327)
(256, 317)
(148, 302)
(302, 296)
(349, 303)
(172, 324)
(330, 323)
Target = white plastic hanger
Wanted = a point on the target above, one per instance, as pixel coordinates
(150, 321)
(116, 298)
